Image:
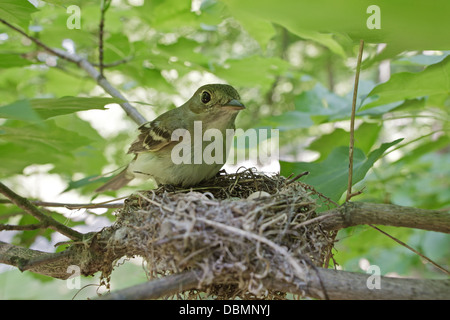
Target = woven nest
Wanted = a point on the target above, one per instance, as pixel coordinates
(242, 228)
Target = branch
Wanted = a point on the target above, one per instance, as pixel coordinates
(93, 255)
(358, 213)
(103, 8)
(339, 285)
(50, 264)
(45, 220)
(114, 63)
(92, 72)
(73, 206)
(412, 249)
(157, 288)
(345, 285)
(34, 226)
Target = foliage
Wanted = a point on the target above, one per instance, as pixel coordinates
(292, 61)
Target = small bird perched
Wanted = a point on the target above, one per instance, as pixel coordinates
(214, 106)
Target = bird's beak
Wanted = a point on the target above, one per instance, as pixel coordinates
(234, 105)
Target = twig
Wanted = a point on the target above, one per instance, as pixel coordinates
(36, 41)
(311, 188)
(26, 205)
(352, 123)
(92, 72)
(73, 206)
(103, 8)
(296, 177)
(114, 63)
(412, 249)
(34, 226)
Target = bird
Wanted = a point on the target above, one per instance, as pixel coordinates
(212, 106)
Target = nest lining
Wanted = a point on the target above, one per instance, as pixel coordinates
(215, 227)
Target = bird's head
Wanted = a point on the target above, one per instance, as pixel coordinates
(212, 98)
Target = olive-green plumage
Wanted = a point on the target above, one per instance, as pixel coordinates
(215, 106)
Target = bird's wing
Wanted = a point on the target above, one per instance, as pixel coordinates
(156, 134)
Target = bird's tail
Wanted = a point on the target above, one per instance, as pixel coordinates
(116, 182)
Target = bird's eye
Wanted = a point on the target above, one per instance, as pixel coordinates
(206, 97)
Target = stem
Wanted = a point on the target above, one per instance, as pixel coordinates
(352, 122)
(412, 249)
(103, 8)
(27, 206)
(74, 206)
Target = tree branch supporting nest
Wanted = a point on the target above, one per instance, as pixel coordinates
(340, 285)
(264, 246)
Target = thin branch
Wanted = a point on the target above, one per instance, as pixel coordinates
(36, 41)
(73, 206)
(103, 8)
(305, 173)
(102, 82)
(92, 72)
(157, 288)
(27, 206)
(27, 227)
(360, 213)
(352, 123)
(114, 63)
(412, 249)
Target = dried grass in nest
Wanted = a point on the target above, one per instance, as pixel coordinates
(215, 227)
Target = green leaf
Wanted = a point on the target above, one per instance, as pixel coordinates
(261, 30)
(419, 18)
(48, 108)
(70, 144)
(323, 104)
(366, 135)
(53, 137)
(35, 109)
(287, 121)
(14, 158)
(85, 182)
(434, 80)
(87, 159)
(185, 50)
(425, 148)
(169, 15)
(330, 176)
(19, 110)
(326, 39)
(252, 71)
(16, 11)
(9, 60)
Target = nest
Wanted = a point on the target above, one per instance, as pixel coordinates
(241, 228)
